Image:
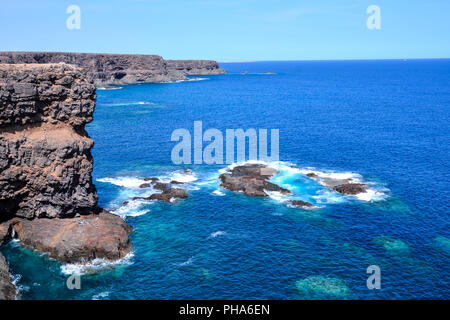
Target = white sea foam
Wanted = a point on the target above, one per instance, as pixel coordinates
(287, 173)
(14, 242)
(277, 196)
(127, 182)
(95, 266)
(197, 79)
(101, 295)
(15, 279)
(190, 79)
(187, 262)
(218, 193)
(183, 176)
(355, 177)
(133, 208)
(137, 213)
(109, 88)
(371, 195)
(329, 197)
(217, 234)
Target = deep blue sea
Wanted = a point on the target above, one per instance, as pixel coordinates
(386, 123)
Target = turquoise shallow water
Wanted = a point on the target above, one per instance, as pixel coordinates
(383, 122)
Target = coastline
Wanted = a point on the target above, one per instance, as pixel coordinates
(118, 69)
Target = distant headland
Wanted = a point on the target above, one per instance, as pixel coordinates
(116, 69)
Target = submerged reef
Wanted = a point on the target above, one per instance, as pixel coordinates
(320, 287)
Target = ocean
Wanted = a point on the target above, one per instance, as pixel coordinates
(385, 123)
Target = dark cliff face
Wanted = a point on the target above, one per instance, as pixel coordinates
(47, 198)
(108, 69)
(7, 288)
(194, 67)
(45, 159)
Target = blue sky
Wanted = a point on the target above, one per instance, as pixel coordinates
(233, 30)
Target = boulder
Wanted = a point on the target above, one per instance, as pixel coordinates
(343, 186)
(351, 188)
(301, 204)
(76, 240)
(145, 185)
(161, 186)
(168, 194)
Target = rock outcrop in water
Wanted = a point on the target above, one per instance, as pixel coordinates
(343, 186)
(47, 198)
(107, 69)
(251, 179)
(301, 204)
(167, 194)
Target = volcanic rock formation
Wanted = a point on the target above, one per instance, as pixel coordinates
(343, 186)
(107, 69)
(7, 288)
(47, 198)
(252, 179)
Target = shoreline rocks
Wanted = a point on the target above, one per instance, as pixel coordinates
(47, 197)
(76, 240)
(168, 192)
(300, 204)
(117, 69)
(251, 179)
(343, 186)
(7, 287)
(351, 188)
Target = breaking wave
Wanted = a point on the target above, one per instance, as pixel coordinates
(127, 182)
(109, 88)
(316, 192)
(96, 265)
(217, 234)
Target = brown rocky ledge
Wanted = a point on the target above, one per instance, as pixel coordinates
(252, 179)
(79, 239)
(47, 198)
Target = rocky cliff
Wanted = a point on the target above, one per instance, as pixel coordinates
(45, 159)
(47, 198)
(7, 288)
(108, 69)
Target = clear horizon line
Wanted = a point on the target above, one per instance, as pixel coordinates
(324, 60)
(229, 61)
